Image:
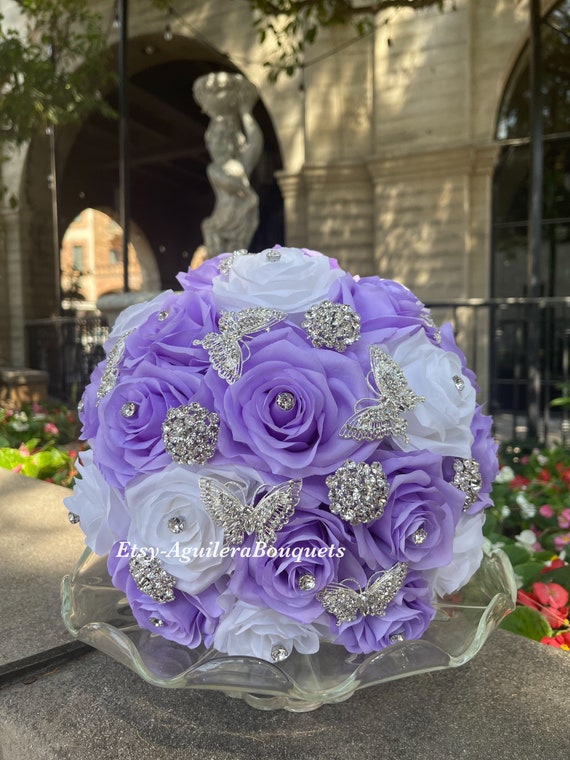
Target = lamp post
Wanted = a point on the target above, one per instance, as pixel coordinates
(124, 174)
(534, 253)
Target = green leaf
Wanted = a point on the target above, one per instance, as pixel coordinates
(527, 622)
(516, 553)
(559, 575)
(10, 458)
(529, 572)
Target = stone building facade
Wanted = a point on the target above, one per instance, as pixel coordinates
(383, 149)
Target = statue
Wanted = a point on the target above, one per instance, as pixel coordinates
(234, 141)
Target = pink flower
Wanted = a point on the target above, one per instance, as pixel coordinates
(50, 429)
(17, 468)
(546, 511)
(550, 599)
(561, 542)
(564, 518)
(23, 450)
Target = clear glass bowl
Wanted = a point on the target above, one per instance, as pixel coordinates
(98, 614)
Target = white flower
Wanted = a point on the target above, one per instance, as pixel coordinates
(442, 422)
(254, 631)
(505, 511)
(505, 475)
(169, 518)
(102, 513)
(526, 539)
(528, 510)
(467, 555)
(292, 284)
(19, 427)
(133, 316)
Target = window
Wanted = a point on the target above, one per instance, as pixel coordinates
(78, 257)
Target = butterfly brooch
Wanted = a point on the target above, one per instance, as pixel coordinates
(224, 348)
(238, 519)
(393, 397)
(345, 602)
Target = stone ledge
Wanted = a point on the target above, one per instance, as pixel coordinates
(507, 704)
(21, 385)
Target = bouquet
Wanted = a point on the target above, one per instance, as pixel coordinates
(282, 455)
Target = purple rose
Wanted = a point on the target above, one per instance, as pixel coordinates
(387, 310)
(126, 445)
(420, 516)
(200, 278)
(186, 619)
(315, 546)
(167, 336)
(283, 415)
(87, 408)
(408, 615)
(484, 452)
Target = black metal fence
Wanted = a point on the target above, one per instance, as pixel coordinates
(493, 333)
(68, 348)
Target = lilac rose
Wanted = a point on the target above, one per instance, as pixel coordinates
(128, 440)
(188, 620)
(419, 519)
(311, 550)
(407, 616)
(283, 415)
(167, 336)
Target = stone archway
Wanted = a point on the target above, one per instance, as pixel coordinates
(170, 193)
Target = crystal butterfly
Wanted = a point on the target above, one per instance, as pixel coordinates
(393, 397)
(237, 518)
(224, 348)
(345, 602)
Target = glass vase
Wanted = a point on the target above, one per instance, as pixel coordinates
(97, 613)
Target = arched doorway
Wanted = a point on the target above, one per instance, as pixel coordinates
(170, 192)
(516, 322)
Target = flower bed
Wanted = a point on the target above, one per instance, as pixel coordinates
(40, 441)
(531, 523)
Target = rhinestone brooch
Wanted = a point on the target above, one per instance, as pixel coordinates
(468, 479)
(111, 373)
(345, 602)
(151, 578)
(190, 433)
(332, 325)
(358, 492)
(393, 398)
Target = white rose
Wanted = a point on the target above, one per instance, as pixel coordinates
(441, 423)
(170, 519)
(292, 284)
(254, 631)
(102, 513)
(467, 555)
(133, 316)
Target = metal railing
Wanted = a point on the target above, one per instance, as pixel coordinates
(68, 348)
(491, 332)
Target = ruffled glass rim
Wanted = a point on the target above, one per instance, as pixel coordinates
(97, 613)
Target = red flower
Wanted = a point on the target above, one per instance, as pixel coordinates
(519, 481)
(554, 565)
(562, 641)
(550, 599)
(544, 475)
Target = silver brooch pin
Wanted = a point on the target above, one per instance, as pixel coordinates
(226, 264)
(111, 373)
(264, 518)
(224, 349)
(358, 492)
(345, 602)
(151, 578)
(468, 479)
(332, 325)
(190, 433)
(393, 397)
